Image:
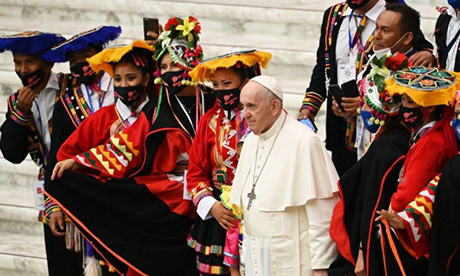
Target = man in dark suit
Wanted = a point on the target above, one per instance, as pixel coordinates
(345, 46)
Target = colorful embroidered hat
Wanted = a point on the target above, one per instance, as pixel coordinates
(250, 60)
(425, 86)
(97, 36)
(180, 39)
(29, 43)
(373, 87)
(142, 54)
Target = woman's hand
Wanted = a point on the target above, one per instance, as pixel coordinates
(359, 268)
(223, 216)
(63, 166)
(394, 220)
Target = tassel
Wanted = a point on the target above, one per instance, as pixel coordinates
(92, 266)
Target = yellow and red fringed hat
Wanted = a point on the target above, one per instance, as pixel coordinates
(205, 70)
(425, 86)
(105, 60)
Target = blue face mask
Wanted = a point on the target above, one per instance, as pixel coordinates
(454, 3)
(366, 115)
(456, 126)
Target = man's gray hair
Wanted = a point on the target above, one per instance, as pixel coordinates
(269, 96)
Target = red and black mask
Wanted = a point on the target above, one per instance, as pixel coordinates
(83, 72)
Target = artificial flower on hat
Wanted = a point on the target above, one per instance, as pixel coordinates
(180, 39)
(373, 87)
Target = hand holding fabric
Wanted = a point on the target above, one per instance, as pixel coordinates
(392, 217)
(223, 216)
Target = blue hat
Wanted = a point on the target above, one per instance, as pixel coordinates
(29, 43)
(81, 42)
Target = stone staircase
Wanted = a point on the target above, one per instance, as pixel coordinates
(288, 29)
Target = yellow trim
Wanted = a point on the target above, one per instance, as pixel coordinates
(103, 60)
(204, 71)
(426, 98)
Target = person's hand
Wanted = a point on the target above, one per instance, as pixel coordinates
(57, 224)
(394, 220)
(320, 272)
(25, 99)
(351, 106)
(234, 271)
(305, 113)
(422, 58)
(223, 216)
(359, 268)
(63, 166)
(154, 35)
(337, 110)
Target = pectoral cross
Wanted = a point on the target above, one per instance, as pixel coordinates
(251, 196)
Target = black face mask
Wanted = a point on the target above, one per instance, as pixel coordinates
(129, 94)
(33, 79)
(411, 117)
(83, 72)
(228, 99)
(357, 4)
(173, 81)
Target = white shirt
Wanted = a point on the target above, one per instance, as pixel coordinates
(92, 97)
(43, 107)
(454, 26)
(125, 112)
(343, 54)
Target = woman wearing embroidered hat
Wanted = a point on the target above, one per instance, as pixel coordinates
(427, 93)
(369, 184)
(214, 157)
(141, 166)
(177, 52)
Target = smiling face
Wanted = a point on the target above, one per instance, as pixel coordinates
(168, 65)
(127, 74)
(261, 108)
(25, 64)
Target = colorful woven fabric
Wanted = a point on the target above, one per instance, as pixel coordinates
(417, 218)
(29, 43)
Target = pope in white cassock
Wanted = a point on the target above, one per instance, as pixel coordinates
(286, 184)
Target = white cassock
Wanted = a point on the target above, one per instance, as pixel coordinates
(286, 230)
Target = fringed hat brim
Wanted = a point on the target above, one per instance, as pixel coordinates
(104, 60)
(204, 71)
(29, 43)
(98, 36)
(428, 96)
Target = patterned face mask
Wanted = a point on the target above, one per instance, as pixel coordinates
(83, 72)
(32, 79)
(411, 117)
(129, 94)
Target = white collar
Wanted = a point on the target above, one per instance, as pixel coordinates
(53, 82)
(125, 111)
(423, 129)
(453, 13)
(275, 128)
(373, 13)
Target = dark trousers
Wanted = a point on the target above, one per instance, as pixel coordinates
(61, 262)
(343, 160)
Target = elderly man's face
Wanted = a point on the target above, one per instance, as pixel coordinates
(259, 112)
(387, 32)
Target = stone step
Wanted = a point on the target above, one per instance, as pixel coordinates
(14, 264)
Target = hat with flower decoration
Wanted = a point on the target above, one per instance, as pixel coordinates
(373, 87)
(425, 86)
(80, 42)
(29, 43)
(249, 62)
(180, 40)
